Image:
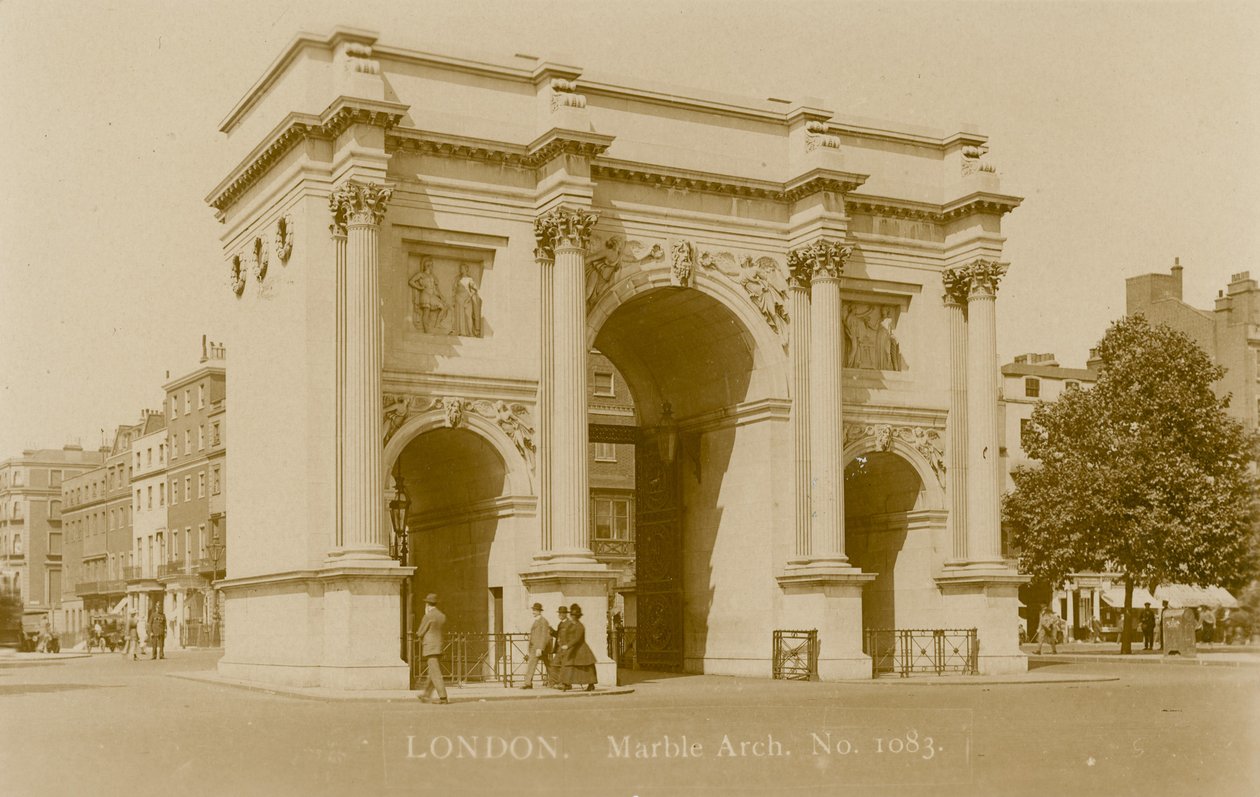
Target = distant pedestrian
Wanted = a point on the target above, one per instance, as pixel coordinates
(1095, 630)
(539, 646)
(133, 637)
(1209, 624)
(430, 633)
(579, 659)
(1147, 621)
(1159, 629)
(157, 635)
(556, 670)
(1047, 629)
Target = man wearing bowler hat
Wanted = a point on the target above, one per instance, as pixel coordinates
(557, 663)
(539, 645)
(430, 633)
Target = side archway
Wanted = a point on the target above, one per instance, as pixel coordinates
(520, 481)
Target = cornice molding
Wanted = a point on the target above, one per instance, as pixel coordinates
(295, 128)
(977, 203)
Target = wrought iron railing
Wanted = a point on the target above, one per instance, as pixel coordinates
(197, 634)
(795, 655)
(133, 573)
(623, 647)
(471, 657)
(936, 651)
(619, 548)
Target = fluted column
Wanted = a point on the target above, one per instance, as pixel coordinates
(565, 233)
(338, 231)
(984, 475)
(363, 531)
(956, 290)
(826, 404)
(799, 273)
(547, 348)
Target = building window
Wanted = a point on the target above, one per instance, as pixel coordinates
(1032, 387)
(174, 407)
(214, 434)
(605, 452)
(1071, 384)
(17, 510)
(188, 401)
(188, 488)
(17, 544)
(187, 440)
(603, 384)
(162, 494)
(201, 539)
(54, 478)
(201, 395)
(215, 481)
(150, 505)
(54, 510)
(612, 519)
(201, 437)
(137, 500)
(201, 484)
(19, 477)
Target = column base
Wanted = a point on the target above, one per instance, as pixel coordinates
(985, 596)
(336, 627)
(590, 586)
(827, 596)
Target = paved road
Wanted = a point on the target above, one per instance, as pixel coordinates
(106, 726)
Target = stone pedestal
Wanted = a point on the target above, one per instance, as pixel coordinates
(832, 603)
(988, 602)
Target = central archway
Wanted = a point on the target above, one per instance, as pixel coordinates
(693, 369)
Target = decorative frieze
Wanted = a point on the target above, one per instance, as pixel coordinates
(604, 262)
(563, 228)
(512, 419)
(761, 279)
(923, 439)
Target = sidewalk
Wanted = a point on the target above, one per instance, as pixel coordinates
(468, 693)
(15, 659)
(1109, 652)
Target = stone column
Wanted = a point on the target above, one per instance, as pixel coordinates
(564, 233)
(983, 464)
(363, 532)
(799, 272)
(338, 231)
(826, 410)
(547, 354)
(956, 434)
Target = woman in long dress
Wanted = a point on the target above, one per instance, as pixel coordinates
(578, 659)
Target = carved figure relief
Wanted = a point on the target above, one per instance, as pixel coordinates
(446, 297)
(761, 279)
(512, 419)
(926, 440)
(603, 264)
(284, 238)
(870, 338)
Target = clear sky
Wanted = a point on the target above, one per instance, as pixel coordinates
(1131, 129)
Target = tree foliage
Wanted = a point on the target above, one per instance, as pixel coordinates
(1144, 474)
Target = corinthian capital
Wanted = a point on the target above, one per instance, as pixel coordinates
(563, 227)
(822, 258)
(357, 204)
(977, 278)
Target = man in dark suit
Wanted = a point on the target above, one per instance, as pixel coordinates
(539, 645)
(157, 633)
(556, 669)
(430, 633)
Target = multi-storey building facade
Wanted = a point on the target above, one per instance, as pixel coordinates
(148, 541)
(771, 272)
(1229, 332)
(1025, 381)
(32, 554)
(196, 418)
(612, 437)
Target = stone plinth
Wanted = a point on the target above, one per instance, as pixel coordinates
(829, 600)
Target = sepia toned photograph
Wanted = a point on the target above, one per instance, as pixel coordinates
(642, 399)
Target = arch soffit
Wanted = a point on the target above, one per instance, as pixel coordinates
(768, 351)
(933, 490)
(519, 479)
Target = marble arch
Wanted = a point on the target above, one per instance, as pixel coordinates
(520, 480)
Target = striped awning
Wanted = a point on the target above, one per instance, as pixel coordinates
(1179, 596)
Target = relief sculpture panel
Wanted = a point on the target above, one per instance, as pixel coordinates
(870, 337)
(446, 295)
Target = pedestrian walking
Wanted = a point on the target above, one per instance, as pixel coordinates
(430, 633)
(1208, 619)
(539, 646)
(579, 667)
(1147, 621)
(157, 635)
(1047, 628)
(133, 637)
(556, 670)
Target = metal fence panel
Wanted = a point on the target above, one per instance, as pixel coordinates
(795, 655)
(907, 651)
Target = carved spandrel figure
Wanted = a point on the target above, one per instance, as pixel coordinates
(467, 305)
(886, 342)
(861, 325)
(512, 425)
(426, 297)
(766, 287)
(397, 408)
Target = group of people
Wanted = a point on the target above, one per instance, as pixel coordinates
(155, 636)
(566, 659)
(1051, 627)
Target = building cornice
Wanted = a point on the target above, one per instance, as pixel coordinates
(340, 114)
(972, 204)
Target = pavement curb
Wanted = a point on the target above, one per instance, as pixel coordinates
(321, 694)
(1207, 661)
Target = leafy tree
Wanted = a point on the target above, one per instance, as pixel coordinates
(1144, 474)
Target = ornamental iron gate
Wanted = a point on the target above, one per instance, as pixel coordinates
(795, 655)
(936, 651)
(658, 566)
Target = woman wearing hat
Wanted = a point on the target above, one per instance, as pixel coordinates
(575, 654)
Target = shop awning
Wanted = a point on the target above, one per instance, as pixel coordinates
(1179, 596)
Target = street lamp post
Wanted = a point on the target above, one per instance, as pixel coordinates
(216, 549)
(398, 549)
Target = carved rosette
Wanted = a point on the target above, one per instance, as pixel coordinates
(512, 419)
(977, 278)
(563, 228)
(359, 204)
(260, 260)
(926, 440)
(237, 279)
(821, 259)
